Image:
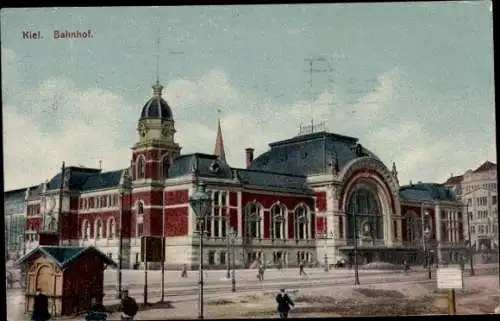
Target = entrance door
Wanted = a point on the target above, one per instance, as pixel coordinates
(44, 280)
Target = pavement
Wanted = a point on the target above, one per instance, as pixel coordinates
(184, 291)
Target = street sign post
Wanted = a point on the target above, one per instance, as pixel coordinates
(152, 250)
(450, 279)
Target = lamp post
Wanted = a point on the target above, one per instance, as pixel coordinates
(228, 247)
(471, 257)
(233, 234)
(201, 203)
(426, 236)
(355, 218)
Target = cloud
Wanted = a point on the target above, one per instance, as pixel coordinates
(83, 125)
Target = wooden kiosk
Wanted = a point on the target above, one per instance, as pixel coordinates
(69, 276)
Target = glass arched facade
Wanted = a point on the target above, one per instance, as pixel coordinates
(363, 206)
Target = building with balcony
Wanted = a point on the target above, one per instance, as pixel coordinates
(477, 190)
(313, 195)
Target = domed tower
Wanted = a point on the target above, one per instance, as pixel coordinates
(154, 152)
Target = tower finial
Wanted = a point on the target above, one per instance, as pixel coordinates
(157, 88)
(158, 58)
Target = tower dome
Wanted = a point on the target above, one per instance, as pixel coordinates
(156, 107)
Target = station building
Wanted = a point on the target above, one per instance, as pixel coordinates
(308, 198)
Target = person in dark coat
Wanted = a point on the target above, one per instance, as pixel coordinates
(284, 304)
(40, 307)
(128, 306)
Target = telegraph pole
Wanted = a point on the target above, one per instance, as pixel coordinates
(312, 69)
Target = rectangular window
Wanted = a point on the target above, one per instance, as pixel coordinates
(223, 227)
(494, 200)
(223, 199)
(222, 257)
(211, 257)
(217, 222)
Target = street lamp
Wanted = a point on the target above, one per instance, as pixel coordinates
(201, 204)
(233, 234)
(426, 237)
(228, 248)
(471, 257)
(355, 218)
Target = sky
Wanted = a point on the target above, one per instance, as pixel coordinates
(413, 81)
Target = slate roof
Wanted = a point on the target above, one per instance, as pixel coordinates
(426, 192)
(185, 164)
(485, 167)
(16, 194)
(308, 154)
(204, 163)
(274, 180)
(86, 179)
(64, 255)
(454, 180)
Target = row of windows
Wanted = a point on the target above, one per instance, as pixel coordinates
(490, 186)
(33, 210)
(482, 201)
(98, 229)
(303, 226)
(482, 215)
(99, 202)
(481, 229)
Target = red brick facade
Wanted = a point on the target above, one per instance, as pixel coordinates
(176, 221)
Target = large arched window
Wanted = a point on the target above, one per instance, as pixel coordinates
(363, 204)
(98, 229)
(413, 227)
(85, 229)
(277, 222)
(301, 223)
(141, 167)
(253, 213)
(140, 208)
(139, 219)
(111, 228)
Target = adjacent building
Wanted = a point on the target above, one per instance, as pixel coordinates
(314, 197)
(477, 190)
(15, 218)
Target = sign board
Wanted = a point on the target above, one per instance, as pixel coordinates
(450, 278)
(153, 247)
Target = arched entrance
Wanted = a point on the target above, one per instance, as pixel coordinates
(364, 215)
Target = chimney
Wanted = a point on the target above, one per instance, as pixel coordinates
(249, 156)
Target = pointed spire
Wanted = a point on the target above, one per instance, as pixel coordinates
(219, 143)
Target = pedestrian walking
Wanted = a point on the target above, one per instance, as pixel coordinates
(128, 307)
(97, 312)
(406, 267)
(301, 269)
(184, 273)
(260, 274)
(284, 304)
(40, 307)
